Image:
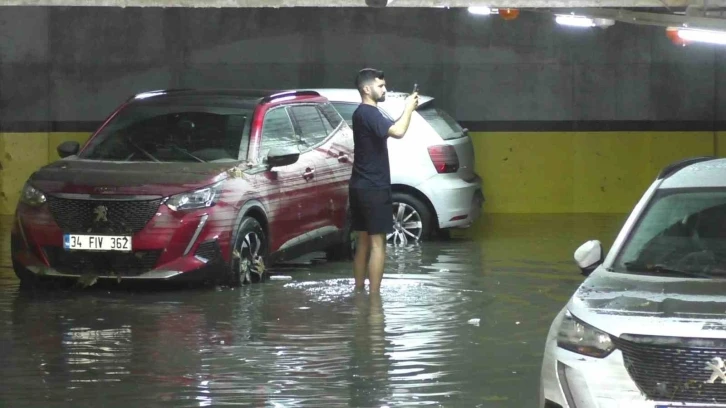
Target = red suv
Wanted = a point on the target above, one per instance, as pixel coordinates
(191, 185)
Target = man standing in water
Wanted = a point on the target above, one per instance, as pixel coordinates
(370, 181)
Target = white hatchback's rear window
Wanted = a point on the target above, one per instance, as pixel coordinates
(446, 126)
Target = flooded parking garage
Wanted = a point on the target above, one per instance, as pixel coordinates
(553, 113)
(459, 322)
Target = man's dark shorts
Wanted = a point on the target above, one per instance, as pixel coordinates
(371, 210)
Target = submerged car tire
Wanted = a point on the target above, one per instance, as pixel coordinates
(27, 278)
(344, 250)
(249, 253)
(412, 220)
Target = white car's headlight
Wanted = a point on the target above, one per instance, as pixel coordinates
(579, 337)
(202, 198)
(32, 196)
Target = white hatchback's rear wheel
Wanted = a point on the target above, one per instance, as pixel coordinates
(411, 220)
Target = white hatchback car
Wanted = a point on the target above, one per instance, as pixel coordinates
(647, 327)
(434, 182)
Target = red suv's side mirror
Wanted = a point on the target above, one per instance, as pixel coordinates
(282, 156)
(68, 148)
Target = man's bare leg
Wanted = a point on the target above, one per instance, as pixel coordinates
(377, 261)
(360, 262)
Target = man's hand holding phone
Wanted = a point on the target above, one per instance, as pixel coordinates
(412, 100)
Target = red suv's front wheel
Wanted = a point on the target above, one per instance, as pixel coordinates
(249, 253)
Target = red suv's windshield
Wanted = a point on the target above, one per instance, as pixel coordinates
(174, 131)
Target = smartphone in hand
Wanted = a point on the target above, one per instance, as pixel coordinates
(415, 88)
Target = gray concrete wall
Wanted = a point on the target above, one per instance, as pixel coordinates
(77, 64)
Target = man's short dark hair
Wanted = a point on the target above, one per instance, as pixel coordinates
(365, 76)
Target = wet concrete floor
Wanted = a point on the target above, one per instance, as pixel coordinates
(307, 338)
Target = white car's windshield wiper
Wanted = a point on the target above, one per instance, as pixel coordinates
(663, 269)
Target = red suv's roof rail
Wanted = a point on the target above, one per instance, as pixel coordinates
(266, 95)
(272, 97)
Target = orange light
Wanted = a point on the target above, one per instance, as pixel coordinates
(508, 13)
(672, 34)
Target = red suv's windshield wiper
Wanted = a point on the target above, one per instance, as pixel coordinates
(186, 153)
(140, 149)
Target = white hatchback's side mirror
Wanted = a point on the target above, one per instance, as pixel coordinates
(589, 256)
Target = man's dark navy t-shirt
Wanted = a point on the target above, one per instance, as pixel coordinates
(371, 169)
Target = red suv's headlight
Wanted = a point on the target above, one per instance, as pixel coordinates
(202, 198)
(32, 196)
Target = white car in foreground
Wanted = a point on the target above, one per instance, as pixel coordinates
(434, 182)
(647, 327)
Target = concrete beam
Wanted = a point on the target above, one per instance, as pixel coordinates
(362, 3)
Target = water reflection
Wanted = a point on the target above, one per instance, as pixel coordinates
(310, 339)
(369, 365)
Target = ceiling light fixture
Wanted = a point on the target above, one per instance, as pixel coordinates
(509, 13)
(573, 20)
(504, 13)
(702, 36)
(482, 10)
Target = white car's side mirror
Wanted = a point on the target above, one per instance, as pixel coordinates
(589, 256)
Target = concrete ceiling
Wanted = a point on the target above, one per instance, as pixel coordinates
(700, 14)
(362, 3)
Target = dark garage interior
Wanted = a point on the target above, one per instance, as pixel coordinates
(567, 126)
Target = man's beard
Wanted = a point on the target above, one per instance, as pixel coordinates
(381, 98)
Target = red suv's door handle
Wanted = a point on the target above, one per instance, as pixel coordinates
(309, 174)
(343, 158)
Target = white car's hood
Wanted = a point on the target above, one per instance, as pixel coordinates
(619, 303)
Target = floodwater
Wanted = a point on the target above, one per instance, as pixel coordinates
(458, 323)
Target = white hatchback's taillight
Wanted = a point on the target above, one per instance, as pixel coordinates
(444, 158)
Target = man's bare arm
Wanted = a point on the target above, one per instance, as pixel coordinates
(399, 128)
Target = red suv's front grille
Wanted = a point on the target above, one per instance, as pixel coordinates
(102, 216)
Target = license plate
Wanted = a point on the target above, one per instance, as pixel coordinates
(96, 242)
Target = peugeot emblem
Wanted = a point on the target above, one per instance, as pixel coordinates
(101, 213)
(718, 370)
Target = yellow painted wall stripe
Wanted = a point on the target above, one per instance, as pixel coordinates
(23, 153)
(523, 172)
(577, 172)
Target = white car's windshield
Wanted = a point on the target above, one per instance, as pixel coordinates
(173, 132)
(681, 232)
